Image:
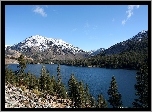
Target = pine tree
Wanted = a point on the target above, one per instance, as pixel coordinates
(73, 91)
(101, 102)
(80, 100)
(87, 97)
(22, 63)
(20, 72)
(79, 94)
(42, 80)
(60, 88)
(92, 102)
(10, 76)
(31, 81)
(142, 88)
(114, 95)
(49, 85)
(58, 74)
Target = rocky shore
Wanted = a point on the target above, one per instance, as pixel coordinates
(15, 97)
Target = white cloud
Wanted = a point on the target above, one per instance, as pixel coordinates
(123, 22)
(40, 11)
(137, 6)
(130, 12)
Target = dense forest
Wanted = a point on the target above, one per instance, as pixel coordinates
(77, 91)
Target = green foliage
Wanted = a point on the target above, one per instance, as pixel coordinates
(58, 74)
(80, 100)
(88, 98)
(101, 102)
(22, 63)
(9, 76)
(142, 88)
(20, 73)
(114, 95)
(92, 102)
(50, 83)
(79, 94)
(73, 93)
(43, 80)
(31, 81)
(60, 88)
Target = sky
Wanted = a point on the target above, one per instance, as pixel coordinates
(88, 27)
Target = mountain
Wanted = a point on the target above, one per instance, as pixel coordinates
(137, 42)
(43, 43)
(129, 54)
(122, 46)
(39, 48)
(6, 46)
(95, 52)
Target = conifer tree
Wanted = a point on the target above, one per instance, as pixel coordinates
(87, 97)
(80, 100)
(31, 81)
(114, 95)
(21, 66)
(142, 88)
(42, 80)
(60, 88)
(101, 102)
(79, 94)
(22, 63)
(92, 102)
(58, 74)
(73, 89)
(50, 84)
(10, 76)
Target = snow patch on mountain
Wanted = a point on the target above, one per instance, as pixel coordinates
(43, 43)
(95, 52)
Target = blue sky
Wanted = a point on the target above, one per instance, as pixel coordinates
(88, 27)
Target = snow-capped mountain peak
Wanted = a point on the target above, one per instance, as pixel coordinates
(43, 43)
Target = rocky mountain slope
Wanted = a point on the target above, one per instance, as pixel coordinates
(40, 43)
(15, 97)
(39, 47)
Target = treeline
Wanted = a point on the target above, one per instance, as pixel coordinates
(77, 91)
(125, 60)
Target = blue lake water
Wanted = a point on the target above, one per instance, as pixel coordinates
(98, 79)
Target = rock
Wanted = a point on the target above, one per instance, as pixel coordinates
(16, 98)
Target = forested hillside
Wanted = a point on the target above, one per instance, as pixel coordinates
(132, 56)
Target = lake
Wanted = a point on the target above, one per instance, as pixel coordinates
(98, 79)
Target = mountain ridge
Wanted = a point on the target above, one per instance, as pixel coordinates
(41, 47)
